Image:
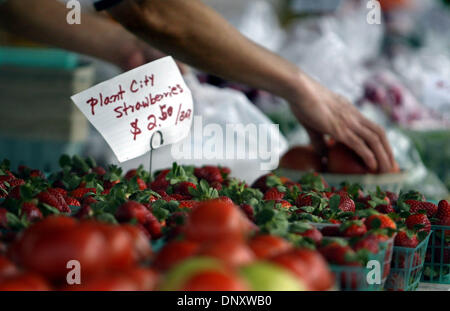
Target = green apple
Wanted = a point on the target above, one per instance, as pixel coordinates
(179, 274)
(265, 276)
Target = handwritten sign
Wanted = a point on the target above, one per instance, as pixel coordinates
(128, 109)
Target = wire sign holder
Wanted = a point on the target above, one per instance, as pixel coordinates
(153, 147)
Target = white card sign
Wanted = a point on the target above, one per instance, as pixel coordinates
(128, 109)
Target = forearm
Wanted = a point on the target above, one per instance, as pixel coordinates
(198, 36)
(44, 21)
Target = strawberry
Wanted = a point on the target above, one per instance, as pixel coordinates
(160, 182)
(418, 222)
(309, 231)
(130, 174)
(54, 191)
(417, 206)
(3, 218)
(31, 212)
(100, 171)
(14, 193)
(248, 211)
(379, 221)
(406, 239)
(133, 210)
(346, 204)
(79, 193)
(393, 197)
(369, 242)
(141, 184)
(284, 203)
(16, 182)
(216, 185)
(153, 226)
(303, 199)
(56, 201)
(385, 209)
(443, 210)
(336, 253)
(353, 229)
(183, 188)
(84, 212)
(72, 201)
(189, 204)
(273, 194)
(261, 182)
(36, 174)
(209, 173)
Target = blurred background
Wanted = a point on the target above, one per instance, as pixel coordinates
(396, 72)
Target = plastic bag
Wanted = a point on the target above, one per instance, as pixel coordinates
(219, 108)
(255, 19)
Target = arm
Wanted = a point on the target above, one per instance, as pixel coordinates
(44, 21)
(197, 35)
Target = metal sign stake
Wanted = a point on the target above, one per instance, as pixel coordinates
(152, 147)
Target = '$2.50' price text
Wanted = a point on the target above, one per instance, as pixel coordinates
(154, 121)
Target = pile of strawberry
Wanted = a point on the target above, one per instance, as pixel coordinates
(203, 212)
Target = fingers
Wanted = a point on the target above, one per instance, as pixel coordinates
(384, 141)
(317, 141)
(356, 143)
(374, 141)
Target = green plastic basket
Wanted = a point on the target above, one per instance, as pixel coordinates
(349, 278)
(406, 267)
(437, 260)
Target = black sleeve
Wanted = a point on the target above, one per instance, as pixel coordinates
(101, 5)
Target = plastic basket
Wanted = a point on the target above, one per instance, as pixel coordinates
(406, 267)
(437, 260)
(349, 278)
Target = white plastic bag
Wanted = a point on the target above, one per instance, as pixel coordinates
(219, 108)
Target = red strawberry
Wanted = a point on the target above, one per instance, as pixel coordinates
(284, 203)
(209, 173)
(31, 212)
(339, 254)
(393, 197)
(16, 182)
(417, 206)
(100, 171)
(37, 174)
(56, 201)
(72, 201)
(14, 193)
(261, 183)
(183, 188)
(443, 210)
(248, 211)
(189, 204)
(405, 239)
(418, 220)
(353, 229)
(141, 184)
(58, 190)
(153, 226)
(385, 209)
(369, 242)
(303, 200)
(216, 185)
(3, 218)
(160, 182)
(273, 194)
(312, 233)
(384, 222)
(130, 174)
(346, 204)
(79, 193)
(133, 210)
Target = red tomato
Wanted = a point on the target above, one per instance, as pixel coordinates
(214, 281)
(24, 282)
(266, 246)
(173, 253)
(309, 266)
(216, 219)
(232, 252)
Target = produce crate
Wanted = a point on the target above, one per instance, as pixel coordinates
(406, 267)
(350, 278)
(39, 122)
(437, 260)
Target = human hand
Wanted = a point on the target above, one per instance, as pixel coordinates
(323, 112)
